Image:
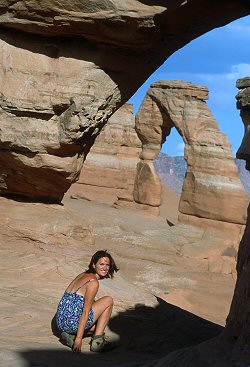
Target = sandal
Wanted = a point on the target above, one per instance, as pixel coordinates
(99, 343)
(69, 339)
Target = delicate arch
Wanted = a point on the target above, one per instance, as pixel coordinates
(212, 176)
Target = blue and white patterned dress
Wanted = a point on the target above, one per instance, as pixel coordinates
(70, 310)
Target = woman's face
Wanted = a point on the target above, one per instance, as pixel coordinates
(102, 267)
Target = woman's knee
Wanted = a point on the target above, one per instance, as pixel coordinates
(108, 300)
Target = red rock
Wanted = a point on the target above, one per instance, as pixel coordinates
(69, 66)
(212, 175)
(111, 162)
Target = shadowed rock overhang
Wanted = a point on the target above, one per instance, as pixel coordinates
(70, 66)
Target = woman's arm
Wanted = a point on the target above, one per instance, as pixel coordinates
(91, 290)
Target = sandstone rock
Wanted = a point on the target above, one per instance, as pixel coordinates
(70, 68)
(243, 104)
(38, 264)
(87, 18)
(238, 321)
(109, 66)
(129, 203)
(147, 189)
(111, 162)
(241, 84)
(212, 176)
(45, 110)
(46, 225)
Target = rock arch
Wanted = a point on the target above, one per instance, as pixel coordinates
(212, 176)
(235, 338)
(70, 66)
(97, 56)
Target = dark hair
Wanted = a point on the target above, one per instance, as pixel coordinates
(98, 255)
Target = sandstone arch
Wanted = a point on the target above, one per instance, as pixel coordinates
(232, 348)
(96, 54)
(112, 49)
(212, 176)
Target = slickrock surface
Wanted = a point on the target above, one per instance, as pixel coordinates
(164, 300)
(66, 66)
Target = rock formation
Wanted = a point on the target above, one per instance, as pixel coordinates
(238, 322)
(70, 66)
(42, 224)
(66, 70)
(111, 163)
(172, 171)
(243, 104)
(212, 176)
(232, 347)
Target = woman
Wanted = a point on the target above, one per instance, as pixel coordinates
(77, 311)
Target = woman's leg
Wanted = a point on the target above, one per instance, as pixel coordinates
(89, 332)
(102, 312)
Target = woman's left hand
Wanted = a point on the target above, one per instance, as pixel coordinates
(77, 345)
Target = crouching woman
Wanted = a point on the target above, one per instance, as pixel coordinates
(78, 312)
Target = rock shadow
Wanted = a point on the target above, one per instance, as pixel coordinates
(161, 329)
(146, 334)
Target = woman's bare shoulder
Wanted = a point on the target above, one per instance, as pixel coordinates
(85, 277)
(79, 280)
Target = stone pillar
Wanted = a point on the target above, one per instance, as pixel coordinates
(149, 126)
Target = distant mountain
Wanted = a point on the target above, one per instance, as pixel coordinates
(172, 171)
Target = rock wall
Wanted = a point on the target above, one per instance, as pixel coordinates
(212, 176)
(111, 162)
(238, 322)
(65, 67)
(48, 105)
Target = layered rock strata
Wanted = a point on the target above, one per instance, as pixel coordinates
(113, 47)
(212, 176)
(111, 162)
(69, 66)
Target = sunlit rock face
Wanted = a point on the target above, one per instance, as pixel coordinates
(48, 109)
(66, 66)
(212, 189)
(111, 162)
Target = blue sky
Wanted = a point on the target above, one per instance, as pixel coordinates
(216, 59)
